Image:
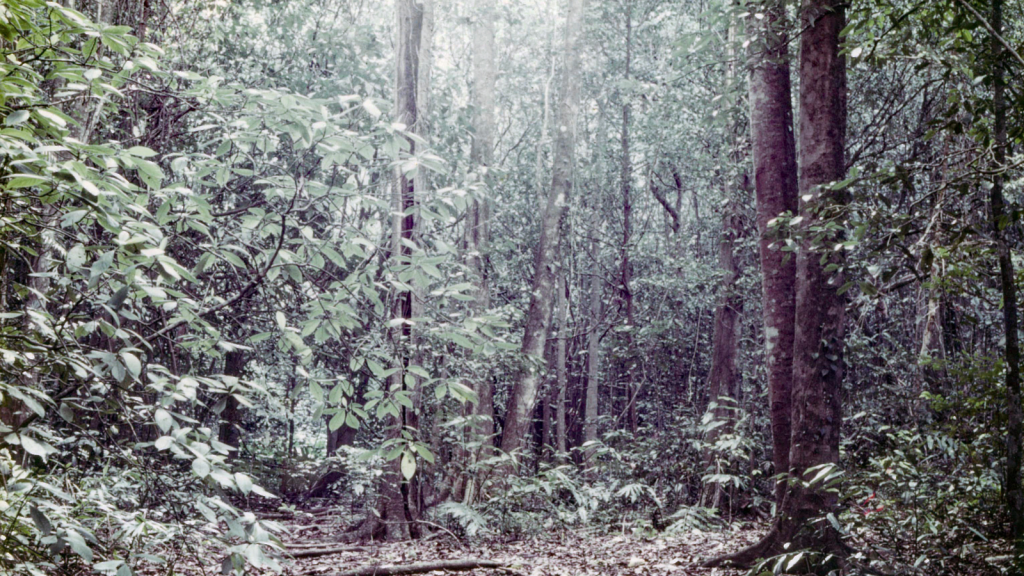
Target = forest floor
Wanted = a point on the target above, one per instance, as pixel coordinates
(557, 553)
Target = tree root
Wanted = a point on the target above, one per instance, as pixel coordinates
(422, 567)
(371, 528)
(774, 544)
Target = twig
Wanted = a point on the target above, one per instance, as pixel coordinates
(316, 553)
(991, 30)
(422, 567)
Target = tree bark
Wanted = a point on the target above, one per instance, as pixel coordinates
(561, 376)
(1000, 220)
(724, 379)
(484, 68)
(590, 414)
(820, 311)
(481, 155)
(626, 268)
(775, 183)
(723, 382)
(228, 432)
(538, 317)
(397, 501)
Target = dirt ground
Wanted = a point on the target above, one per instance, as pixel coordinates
(566, 553)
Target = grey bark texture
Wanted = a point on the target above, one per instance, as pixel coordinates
(538, 316)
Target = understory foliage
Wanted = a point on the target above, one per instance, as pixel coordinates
(201, 273)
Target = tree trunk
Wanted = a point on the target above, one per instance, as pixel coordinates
(538, 317)
(590, 414)
(775, 183)
(626, 269)
(398, 511)
(229, 432)
(484, 69)
(931, 352)
(1015, 419)
(561, 376)
(724, 380)
(820, 311)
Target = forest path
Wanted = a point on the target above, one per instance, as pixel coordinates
(566, 553)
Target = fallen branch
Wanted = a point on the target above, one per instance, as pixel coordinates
(421, 567)
(315, 553)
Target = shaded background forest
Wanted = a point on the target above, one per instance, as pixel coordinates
(210, 307)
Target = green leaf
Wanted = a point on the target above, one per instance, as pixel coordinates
(351, 421)
(424, 452)
(35, 448)
(337, 421)
(163, 442)
(201, 467)
(150, 173)
(163, 419)
(132, 363)
(141, 152)
(408, 465)
(77, 543)
(16, 117)
(243, 482)
(52, 117)
(257, 489)
(41, 521)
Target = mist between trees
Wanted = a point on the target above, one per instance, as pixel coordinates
(493, 270)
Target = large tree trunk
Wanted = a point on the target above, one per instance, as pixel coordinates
(775, 183)
(1015, 420)
(820, 311)
(538, 317)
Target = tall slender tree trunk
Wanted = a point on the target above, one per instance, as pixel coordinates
(590, 414)
(820, 311)
(484, 68)
(626, 269)
(724, 380)
(398, 510)
(775, 183)
(538, 317)
(1015, 419)
(929, 304)
(481, 154)
(561, 376)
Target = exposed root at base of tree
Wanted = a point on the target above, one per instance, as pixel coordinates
(371, 528)
(774, 544)
(422, 567)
